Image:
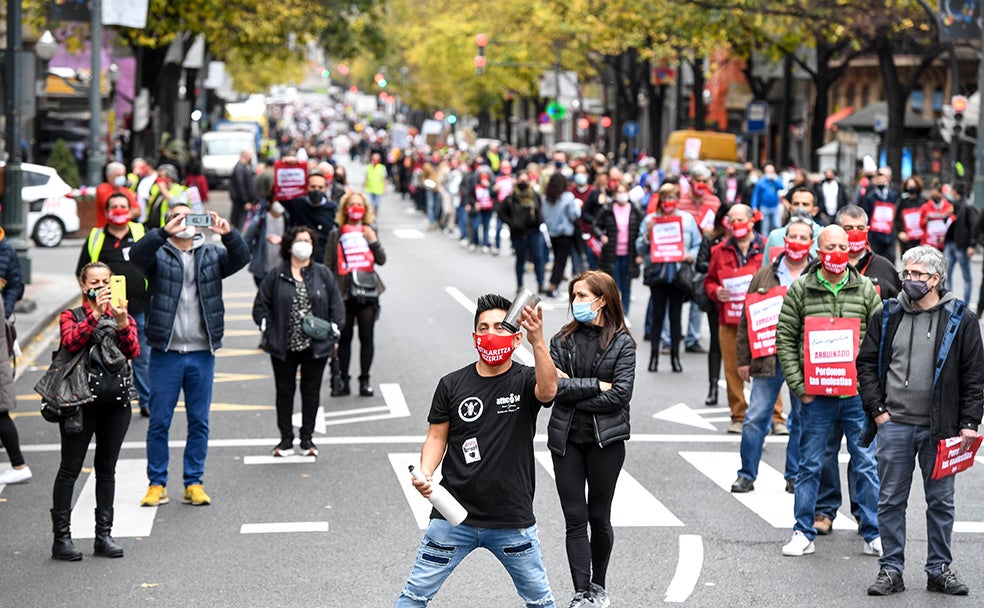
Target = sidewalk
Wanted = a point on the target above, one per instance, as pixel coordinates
(46, 297)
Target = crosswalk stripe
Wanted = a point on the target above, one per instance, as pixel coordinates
(682, 414)
(130, 519)
(419, 506)
(408, 233)
(689, 565)
(633, 505)
(284, 527)
(293, 459)
(769, 500)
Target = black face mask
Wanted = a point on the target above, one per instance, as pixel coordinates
(916, 290)
(317, 198)
(93, 293)
(522, 186)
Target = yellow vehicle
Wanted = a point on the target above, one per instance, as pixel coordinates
(713, 148)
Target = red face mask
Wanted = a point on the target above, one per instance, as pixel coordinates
(119, 216)
(834, 262)
(700, 189)
(796, 250)
(857, 240)
(668, 207)
(493, 348)
(740, 229)
(355, 213)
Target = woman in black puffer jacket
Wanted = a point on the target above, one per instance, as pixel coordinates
(589, 423)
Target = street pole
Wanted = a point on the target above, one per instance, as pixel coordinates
(12, 214)
(979, 166)
(94, 164)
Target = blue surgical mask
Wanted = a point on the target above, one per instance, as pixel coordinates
(580, 179)
(582, 311)
(119, 181)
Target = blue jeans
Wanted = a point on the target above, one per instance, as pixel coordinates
(771, 218)
(758, 423)
(433, 206)
(498, 232)
(141, 364)
(462, 217)
(374, 200)
(622, 281)
(444, 546)
(818, 418)
(693, 327)
(194, 373)
(483, 219)
(829, 496)
(899, 447)
(954, 256)
(529, 248)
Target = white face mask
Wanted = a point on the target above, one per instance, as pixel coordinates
(622, 197)
(119, 181)
(302, 250)
(277, 208)
(187, 233)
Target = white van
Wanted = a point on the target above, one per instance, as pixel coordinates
(220, 153)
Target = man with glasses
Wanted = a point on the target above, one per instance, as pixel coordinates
(921, 382)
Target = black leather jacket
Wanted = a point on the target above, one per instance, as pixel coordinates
(609, 409)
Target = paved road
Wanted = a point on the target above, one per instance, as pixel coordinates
(343, 530)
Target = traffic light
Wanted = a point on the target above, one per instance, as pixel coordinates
(959, 105)
(439, 115)
(480, 41)
(556, 110)
(452, 119)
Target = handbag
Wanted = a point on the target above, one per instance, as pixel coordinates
(700, 297)
(660, 273)
(364, 286)
(317, 328)
(684, 280)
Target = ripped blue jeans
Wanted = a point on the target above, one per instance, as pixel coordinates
(444, 546)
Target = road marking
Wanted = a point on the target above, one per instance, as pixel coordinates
(419, 506)
(237, 333)
(408, 233)
(396, 407)
(130, 519)
(523, 354)
(689, 565)
(228, 305)
(292, 459)
(237, 352)
(769, 500)
(682, 414)
(230, 377)
(284, 527)
(632, 505)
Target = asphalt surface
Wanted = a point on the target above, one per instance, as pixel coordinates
(340, 531)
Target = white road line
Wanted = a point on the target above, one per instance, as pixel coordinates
(408, 233)
(358, 410)
(395, 400)
(293, 459)
(769, 500)
(688, 569)
(523, 354)
(319, 421)
(419, 506)
(682, 414)
(284, 527)
(632, 505)
(130, 519)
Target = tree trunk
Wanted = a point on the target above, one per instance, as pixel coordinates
(896, 96)
(700, 113)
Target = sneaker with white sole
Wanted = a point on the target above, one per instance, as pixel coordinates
(599, 596)
(798, 546)
(308, 448)
(15, 476)
(873, 548)
(284, 448)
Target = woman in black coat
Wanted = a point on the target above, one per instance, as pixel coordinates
(589, 423)
(618, 225)
(295, 290)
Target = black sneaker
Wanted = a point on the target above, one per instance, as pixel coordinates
(308, 448)
(284, 448)
(696, 348)
(947, 582)
(887, 582)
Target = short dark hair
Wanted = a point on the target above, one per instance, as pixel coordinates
(490, 301)
(806, 189)
(288, 240)
(117, 195)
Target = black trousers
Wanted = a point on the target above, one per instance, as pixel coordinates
(285, 384)
(365, 315)
(108, 422)
(562, 246)
(9, 439)
(599, 467)
(667, 297)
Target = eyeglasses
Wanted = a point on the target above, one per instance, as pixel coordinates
(905, 275)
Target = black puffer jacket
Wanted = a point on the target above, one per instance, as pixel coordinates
(609, 409)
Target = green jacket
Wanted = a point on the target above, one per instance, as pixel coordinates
(806, 297)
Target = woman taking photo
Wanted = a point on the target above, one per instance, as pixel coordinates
(110, 335)
(589, 423)
(619, 225)
(295, 290)
(660, 279)
(354, 246)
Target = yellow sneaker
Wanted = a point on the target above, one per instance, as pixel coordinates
(195, 495)
(156, 495)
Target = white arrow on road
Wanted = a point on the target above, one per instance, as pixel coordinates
(681, 413)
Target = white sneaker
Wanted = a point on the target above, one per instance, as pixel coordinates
(798, 546)
(463, 243)
(873, 548)
(15, 476)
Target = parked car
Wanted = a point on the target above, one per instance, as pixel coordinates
(51, 211)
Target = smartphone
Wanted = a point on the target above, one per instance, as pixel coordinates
(198, 219)
(117, 289)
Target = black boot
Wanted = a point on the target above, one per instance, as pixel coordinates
(712, 393)
(675, 360)
(365, 390)
(61, 526)
(342, 389)
(104, 544)
(654, 358)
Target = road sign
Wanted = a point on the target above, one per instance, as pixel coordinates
(630, 128)
(756, 117)
(881, 123)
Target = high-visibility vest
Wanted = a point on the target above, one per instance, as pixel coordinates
(164, 206)
(98, 236)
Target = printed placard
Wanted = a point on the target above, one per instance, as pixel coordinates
(666, 239)
(910, 219)
(830, 350)
(706, 222)
(736, 281)
(762, 310)
(289, 180)
(882, 217)
(952, 457)
(353, 251)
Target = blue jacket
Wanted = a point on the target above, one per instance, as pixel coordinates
(161, 263)
(10, 270)
(766, 193)
(559, 215)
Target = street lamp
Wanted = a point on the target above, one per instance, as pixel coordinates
(46, 46)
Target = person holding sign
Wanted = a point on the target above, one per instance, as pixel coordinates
(825, 313)
(733, 262)
(667, 239)
(907, 223)
(880, 203)
(921, 382)
(935, 216)
(757, 360)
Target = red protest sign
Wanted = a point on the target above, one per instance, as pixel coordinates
(736, 281)
(762, 310)
(830, 349)
(289, 180)
(952, 457)
(910, 220)
(666, 239)
(882, 217)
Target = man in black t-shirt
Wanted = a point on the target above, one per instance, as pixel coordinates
(482, 421)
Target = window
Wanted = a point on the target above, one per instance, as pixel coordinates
(916, 101)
